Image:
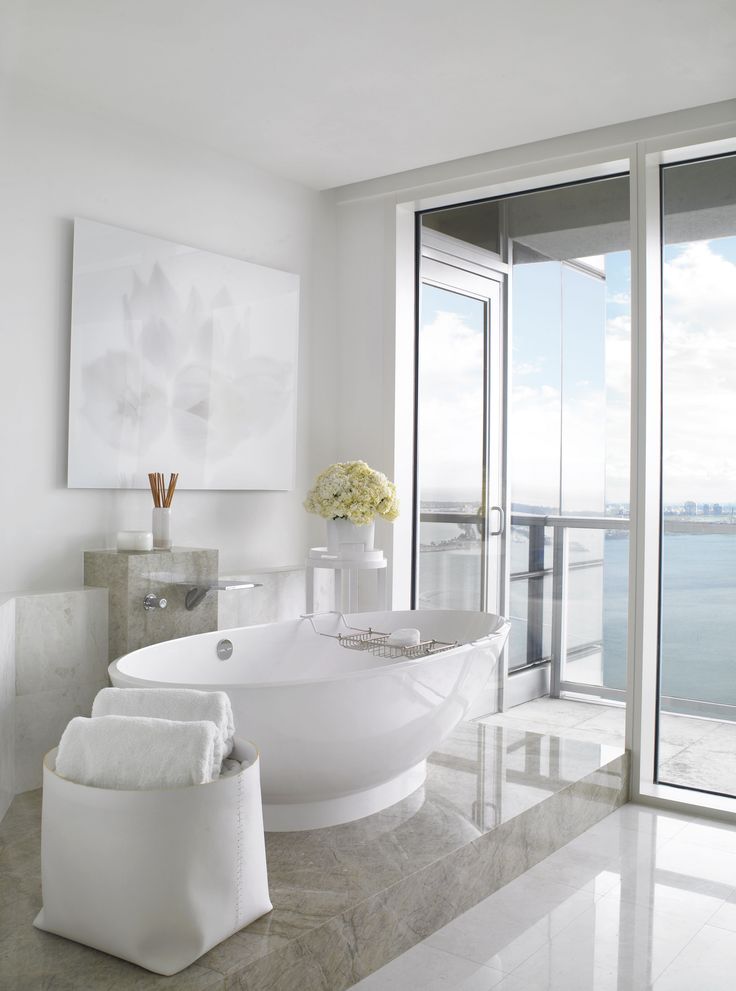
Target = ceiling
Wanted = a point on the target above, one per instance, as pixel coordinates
(328, 92)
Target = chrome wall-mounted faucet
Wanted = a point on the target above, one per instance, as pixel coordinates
(153, 601)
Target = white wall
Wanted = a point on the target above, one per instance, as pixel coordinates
(56, 164)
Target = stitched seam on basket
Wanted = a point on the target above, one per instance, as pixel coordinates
(239, 869)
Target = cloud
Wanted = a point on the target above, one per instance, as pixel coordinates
(699, 410)
(699, 375)
(451, 404)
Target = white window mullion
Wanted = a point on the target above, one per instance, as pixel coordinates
(646, 442)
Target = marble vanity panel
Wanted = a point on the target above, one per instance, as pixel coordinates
(60, 665)
(282, 596)
(60, 639)
(131, 575)
(7, 705)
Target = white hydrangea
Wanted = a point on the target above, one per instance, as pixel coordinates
(354, 491)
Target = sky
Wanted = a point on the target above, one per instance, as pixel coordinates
(576, 384)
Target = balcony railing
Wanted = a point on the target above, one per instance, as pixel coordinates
(548, 595)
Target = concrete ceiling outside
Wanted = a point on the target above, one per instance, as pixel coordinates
(328, 92)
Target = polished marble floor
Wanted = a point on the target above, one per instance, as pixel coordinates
(642, 900)
(497, 800)
(698, 753)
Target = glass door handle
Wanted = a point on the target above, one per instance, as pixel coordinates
(501, 521)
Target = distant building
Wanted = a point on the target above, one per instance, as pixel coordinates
(706, 509)
(690, 508)
(717, 509)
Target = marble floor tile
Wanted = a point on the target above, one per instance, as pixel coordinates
(716, 835)
(559, 712)
(708, 763)
(725, 915)
(608, 717)
(684, 730)
(644, 819)
(427, 968)
(507, 929)
(708, 961)
(698, 862)
(651, 937)
(578, 869)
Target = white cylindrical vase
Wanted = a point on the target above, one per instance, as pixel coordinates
(161, 525)
(347, 539)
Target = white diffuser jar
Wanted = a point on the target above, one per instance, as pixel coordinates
(161, 524)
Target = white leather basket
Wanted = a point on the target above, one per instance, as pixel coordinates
(154, 877)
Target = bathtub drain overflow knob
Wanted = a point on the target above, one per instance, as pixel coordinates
(224, 649)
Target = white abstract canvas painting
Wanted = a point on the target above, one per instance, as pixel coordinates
(181, 360)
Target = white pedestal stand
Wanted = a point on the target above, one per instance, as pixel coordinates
(346, 576)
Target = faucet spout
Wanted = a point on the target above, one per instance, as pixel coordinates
(197, 590)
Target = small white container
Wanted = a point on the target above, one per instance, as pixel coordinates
(161, 528)
(135, 540)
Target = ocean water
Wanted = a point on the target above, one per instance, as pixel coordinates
(698, 604)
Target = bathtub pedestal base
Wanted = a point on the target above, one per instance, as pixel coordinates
(315, 815)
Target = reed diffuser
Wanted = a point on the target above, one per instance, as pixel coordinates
(163, 496)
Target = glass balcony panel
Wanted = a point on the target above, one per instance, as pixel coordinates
(519, 616)
(597, 608)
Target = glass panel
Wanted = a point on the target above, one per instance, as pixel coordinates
(451, 424)
(569, 407)
(536, 376)
(698, 620)
(583, 370)
(450, 563)
(597, 608)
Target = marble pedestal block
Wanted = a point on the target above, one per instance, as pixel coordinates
(60, 665)
(130, 575)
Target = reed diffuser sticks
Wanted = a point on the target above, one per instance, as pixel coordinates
(162, 494)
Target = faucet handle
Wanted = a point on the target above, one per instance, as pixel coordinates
(153, 601)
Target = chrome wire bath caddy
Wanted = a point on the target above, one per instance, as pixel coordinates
(374, 641)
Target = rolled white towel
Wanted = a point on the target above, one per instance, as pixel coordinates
(407, 637)
(182, 704)
(138, 753)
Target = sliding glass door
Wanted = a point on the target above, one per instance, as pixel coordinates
(523, 427)
(460, 528)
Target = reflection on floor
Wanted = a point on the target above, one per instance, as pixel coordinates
(641, 900)
(697, 753)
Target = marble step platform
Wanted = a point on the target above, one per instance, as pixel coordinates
(349, 898)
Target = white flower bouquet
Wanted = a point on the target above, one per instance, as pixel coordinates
(352, 490)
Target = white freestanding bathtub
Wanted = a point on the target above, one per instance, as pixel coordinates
(342, 733)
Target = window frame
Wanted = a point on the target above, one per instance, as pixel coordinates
(641, 159)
